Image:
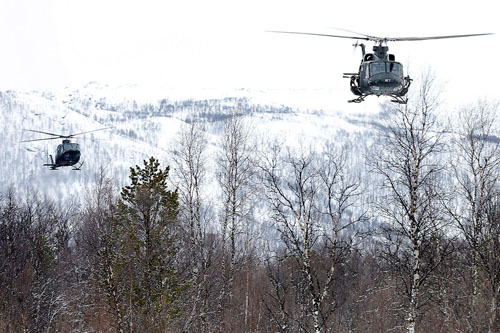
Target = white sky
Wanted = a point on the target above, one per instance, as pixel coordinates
(50, 44)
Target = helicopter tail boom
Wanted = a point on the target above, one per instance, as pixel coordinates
(52, 165)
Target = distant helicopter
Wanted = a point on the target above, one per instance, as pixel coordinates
(67, 153)
(379, 74)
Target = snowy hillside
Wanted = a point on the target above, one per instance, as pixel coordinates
(144, 123)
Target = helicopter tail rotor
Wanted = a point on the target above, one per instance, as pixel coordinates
(360, 45)
(355, 46)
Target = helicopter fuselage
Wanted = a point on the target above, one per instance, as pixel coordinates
(380, 75)
(67, 154)
(377, 78)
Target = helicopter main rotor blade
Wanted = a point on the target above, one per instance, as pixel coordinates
(100, 129)
(58, 135)
(402, 39)
(357, 33)
(397, 39)
(40, 139)
(325, 35)
(381, 39)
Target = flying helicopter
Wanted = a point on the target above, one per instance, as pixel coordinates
(379, 73)
(67, 153)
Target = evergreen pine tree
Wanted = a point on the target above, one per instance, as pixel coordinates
(146, 222)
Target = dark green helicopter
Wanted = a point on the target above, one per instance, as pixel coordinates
(67, 153)
(379, 73)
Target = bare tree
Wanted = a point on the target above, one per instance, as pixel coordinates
(189, 157)
(311, 200)
(476, 170)
(99, 249)
(490, 265)
(33, 239)
(407, 161)
(234, 172)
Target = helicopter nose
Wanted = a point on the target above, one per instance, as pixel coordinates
(383, 81)
(386, 81)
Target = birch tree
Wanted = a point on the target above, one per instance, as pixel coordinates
(33, 235)
(407, 161)
(490, 265)
(189, 157)
(99, 249)
(235, 169)
(309, 197)
(476, 170)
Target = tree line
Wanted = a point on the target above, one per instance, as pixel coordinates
(168, 253)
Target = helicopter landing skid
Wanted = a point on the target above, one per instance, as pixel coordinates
(395, 99)
(78, 168)
(357, 100)
(399, 99)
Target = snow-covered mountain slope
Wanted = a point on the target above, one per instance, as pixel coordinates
(144, 121)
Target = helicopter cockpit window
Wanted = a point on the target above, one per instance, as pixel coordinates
(389, 67)
(394, 67)
(377, 68)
